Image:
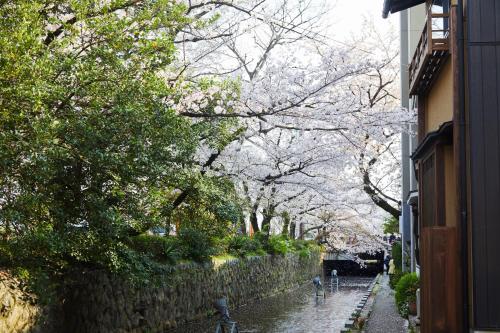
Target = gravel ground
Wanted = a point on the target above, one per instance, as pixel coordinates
(385, 317)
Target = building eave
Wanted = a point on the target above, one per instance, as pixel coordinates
(412, 198)
(394, 6)
(445, 131)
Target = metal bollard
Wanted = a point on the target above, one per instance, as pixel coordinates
(334, 276)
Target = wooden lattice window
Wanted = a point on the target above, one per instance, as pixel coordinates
(428, 191)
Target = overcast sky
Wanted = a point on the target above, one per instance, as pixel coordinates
(348, 16)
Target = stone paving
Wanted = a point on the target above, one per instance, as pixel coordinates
(384, 317)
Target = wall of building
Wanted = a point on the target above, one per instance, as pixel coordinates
(439, 101)
(483, 108)
(412, 23)
(416, 22)
(450, 183)
(404, 219)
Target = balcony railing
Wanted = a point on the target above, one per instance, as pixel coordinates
(432, 50)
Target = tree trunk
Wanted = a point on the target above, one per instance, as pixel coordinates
(266, 222)
(301, 231)
(253, 220)
(292, 230)
(268, 215)
(243, 226)
(376, 195)
(286, 223)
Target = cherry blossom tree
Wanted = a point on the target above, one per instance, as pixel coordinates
(315, 119)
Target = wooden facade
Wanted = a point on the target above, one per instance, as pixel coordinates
(439, 250)
(440, 306)
(432, 51)
(457, 85)
(483, 82)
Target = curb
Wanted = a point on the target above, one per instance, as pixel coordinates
(363, 306)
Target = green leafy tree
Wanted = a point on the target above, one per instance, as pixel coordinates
(90, 150)
(391, 225)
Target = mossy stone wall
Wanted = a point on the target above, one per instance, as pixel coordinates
(104, 304)
(98, 302)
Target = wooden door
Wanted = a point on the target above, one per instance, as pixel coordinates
(440, 303)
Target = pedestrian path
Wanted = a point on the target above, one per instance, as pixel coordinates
(384, 317)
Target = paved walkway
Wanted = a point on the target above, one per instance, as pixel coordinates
(385, 317)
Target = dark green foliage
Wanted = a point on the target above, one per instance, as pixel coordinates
(391, 225)
(162, 249)
(304, 253)
(241, 246)
(259, 252)
(299, 244)
(261, 244)
(195, 245)
(261, 237)
(394, 278)
(212, 207)
(91, 150)
(278, 245)
(406, 292)
(397, 255)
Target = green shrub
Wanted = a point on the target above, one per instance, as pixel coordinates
(397, 254)
(277, 245)
(261, 237)
(406, 292)
(304, 253)
(195, 245)
(394, 278)
(391, 225)
(163, 249)
(299, 244)
(259, 252)
(243, 245)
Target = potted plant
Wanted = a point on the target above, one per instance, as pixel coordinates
(412, 305)
(406, 294)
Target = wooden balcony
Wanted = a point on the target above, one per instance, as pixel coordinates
(432, 50)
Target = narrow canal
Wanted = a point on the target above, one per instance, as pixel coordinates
(297, 311)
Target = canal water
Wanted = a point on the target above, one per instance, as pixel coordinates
(297, 311)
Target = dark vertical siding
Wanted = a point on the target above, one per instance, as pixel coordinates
(484, 121)
(440, 299)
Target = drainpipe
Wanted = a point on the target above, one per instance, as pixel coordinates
(462, 169)
(405, 229)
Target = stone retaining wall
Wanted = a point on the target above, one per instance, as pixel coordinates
(103, 304)
(19, 311)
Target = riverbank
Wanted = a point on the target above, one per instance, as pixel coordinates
(294, 311)
(97, 302)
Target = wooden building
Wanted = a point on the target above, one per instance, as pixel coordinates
(454, 83)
